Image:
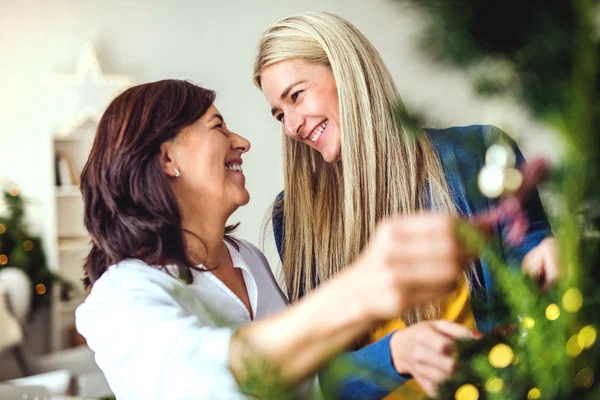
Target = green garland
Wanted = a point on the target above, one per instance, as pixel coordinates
(545, 55)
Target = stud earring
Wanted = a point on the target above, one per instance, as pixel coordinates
(177, 173)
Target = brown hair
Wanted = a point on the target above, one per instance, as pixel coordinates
(130, 210)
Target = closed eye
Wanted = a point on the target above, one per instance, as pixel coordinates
(295, 95)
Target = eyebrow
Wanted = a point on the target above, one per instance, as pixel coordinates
(218, 116)
(284, 94)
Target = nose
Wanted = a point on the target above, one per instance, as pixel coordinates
(293, 124)
(239, 143)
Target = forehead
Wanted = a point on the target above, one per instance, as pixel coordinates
(208, 115)
(276, 78)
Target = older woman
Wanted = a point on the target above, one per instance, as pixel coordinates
(178, 308)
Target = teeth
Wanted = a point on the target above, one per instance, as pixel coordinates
(234, 167)
(319, 131)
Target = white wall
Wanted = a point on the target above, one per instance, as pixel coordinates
(211, 43)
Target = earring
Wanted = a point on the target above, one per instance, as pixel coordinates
(177, 174)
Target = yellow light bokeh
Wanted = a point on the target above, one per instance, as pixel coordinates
(28, 245)
(2, 229)
(494, 385)
(573, 346)
(3, 259)
(500, 356)
(586, 337)
(552, 312)
(572, 300)
(466, 392)
(40, 288)
(528, 323)
(584, 378)
(14, 191)
(512, 179)
(534, 393)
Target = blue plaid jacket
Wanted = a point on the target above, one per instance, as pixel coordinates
(462, 153)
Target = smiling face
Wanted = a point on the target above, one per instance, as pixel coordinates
(303, 96)
(208, 157)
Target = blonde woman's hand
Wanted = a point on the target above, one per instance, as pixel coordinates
(541, 263)
(409, 261)
(425, 351)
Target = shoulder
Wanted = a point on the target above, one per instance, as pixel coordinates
(472, 137)
(129, 284)
(133, 274)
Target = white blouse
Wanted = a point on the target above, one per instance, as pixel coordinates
(155, 337)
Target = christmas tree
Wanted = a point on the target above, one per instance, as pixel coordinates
(21, 249)
(544, 54)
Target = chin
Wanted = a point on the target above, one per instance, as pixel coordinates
(243, 199)
(331, 157)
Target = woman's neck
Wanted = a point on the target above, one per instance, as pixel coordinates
(203, 235)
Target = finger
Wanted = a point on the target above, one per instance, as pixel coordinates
(429, 276)
(551, 272)
(436, 356)
(429, 248)
(426, 224)
(452, 329)
(432, 374)
(429, 387)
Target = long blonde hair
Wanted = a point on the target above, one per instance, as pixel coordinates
(331, 209)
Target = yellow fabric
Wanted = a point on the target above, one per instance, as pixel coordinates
(456, 308)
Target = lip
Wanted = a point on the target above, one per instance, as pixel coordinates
(235, 161)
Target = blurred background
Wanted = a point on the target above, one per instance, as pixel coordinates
(62, 61)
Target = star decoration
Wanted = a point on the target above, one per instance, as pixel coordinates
(91, 90)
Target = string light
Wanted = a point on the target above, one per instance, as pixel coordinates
(14, 191)
(534, 393)
(584, 378)
(552, 312)
(40, 288)
(528, 323)
(498, 175)
(573, 346)
(494, 385)
(3, 259)
(572, 300)
(28, 245)
(491, 181)
(586, 337)
(2, 229)
(500, 155)
(500, 356)
(512, 180)
(466, 392)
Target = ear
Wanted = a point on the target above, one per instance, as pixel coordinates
(167, 158)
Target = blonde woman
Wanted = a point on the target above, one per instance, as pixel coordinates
(349, 162)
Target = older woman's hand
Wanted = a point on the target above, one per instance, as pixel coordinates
(410, 260)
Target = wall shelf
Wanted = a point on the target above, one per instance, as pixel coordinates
(70, 237)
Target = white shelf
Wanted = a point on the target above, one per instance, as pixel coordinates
(68, 191)
(70, 238)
